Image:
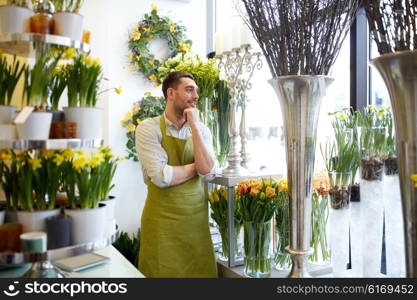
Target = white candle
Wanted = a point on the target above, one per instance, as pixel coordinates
(236, 31)
(218, 42)
(246, 35)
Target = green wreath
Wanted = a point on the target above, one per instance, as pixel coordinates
(151, 27)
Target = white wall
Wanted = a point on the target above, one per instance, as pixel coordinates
(109, 22)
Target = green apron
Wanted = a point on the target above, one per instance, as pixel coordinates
(175, 237)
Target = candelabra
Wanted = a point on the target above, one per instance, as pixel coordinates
(238, 66)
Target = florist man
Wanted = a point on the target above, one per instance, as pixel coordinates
(176, 154)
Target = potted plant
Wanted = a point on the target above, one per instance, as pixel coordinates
(67, 21)
(37, 125)
(83, 173)
(218, 206)
(39, 179)
(9, 170)
(9, 77)
(107, 169)
(15, 16)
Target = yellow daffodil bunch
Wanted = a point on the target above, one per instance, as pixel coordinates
(218, 208)
(148, 107)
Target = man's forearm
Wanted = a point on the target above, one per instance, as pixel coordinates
(183, 173)
(203, 160)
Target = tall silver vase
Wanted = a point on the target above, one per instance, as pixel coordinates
(399, 71)
(300, 98)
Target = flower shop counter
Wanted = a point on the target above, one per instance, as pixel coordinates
(118, 266)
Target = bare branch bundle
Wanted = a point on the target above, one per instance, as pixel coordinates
(392, 24)
(300, 37)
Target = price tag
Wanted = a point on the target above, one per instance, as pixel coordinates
(23, 115)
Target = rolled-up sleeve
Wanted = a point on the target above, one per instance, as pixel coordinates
(153, 158)
(208, 141)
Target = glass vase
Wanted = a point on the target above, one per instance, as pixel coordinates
(224, 251)
(319, 236)
(339, 217)
(282, 235)
(394, 225)
(257, 259)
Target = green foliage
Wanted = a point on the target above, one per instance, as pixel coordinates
(38, 78)
(57, 86)
(128, 246)
(22, 3)
(67, 5)
(148, 107)
(222, 106)
(9, 77)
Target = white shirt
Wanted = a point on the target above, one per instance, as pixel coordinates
(154, 159)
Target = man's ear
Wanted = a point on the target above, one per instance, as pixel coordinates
(170, 93)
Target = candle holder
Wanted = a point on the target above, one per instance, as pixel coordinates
(238, 66)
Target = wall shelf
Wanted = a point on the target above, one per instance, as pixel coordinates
(22, 44)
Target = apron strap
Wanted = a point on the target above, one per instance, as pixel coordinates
(163, 127)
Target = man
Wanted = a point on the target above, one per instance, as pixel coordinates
(176, 154)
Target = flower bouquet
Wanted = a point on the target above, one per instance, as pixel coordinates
(259, 200)
(218, 206)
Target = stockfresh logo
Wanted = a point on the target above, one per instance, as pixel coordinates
(12, 290)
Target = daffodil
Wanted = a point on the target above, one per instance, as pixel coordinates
(69, 53)
(136, 109)
(171, 28)
(128, 116)
(130, 68)
(136, 36)
(152, 62)
(96, 160)
(118, 90)
(5, 156)
(35, 163)
(47, 153)
(80, 162)
(95, 62)
(149, 38)
(138, 57)
(138, 121)
(68, 154)
(153, 77)
(137, 65)
(131, 128)
(58, 159)
(147, 94)
(122, 158)
(156, 84)
(342, 116)
(154, 7)
(130, 56)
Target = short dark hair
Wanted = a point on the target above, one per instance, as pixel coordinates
(173, 79)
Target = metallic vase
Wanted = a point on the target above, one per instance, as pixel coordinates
(399, 71)
(300, 98)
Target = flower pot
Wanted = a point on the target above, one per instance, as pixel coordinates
(11, 216)
(8, 132)
(58, 116)
(36, 127)
(88, 121)
(88, 225)
(35, 220)
(110, 205)
(15, 19)
(69, 25)
(391, 165)
(7, 114)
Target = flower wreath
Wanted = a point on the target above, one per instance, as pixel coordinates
(148, 107)
(154, 26)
